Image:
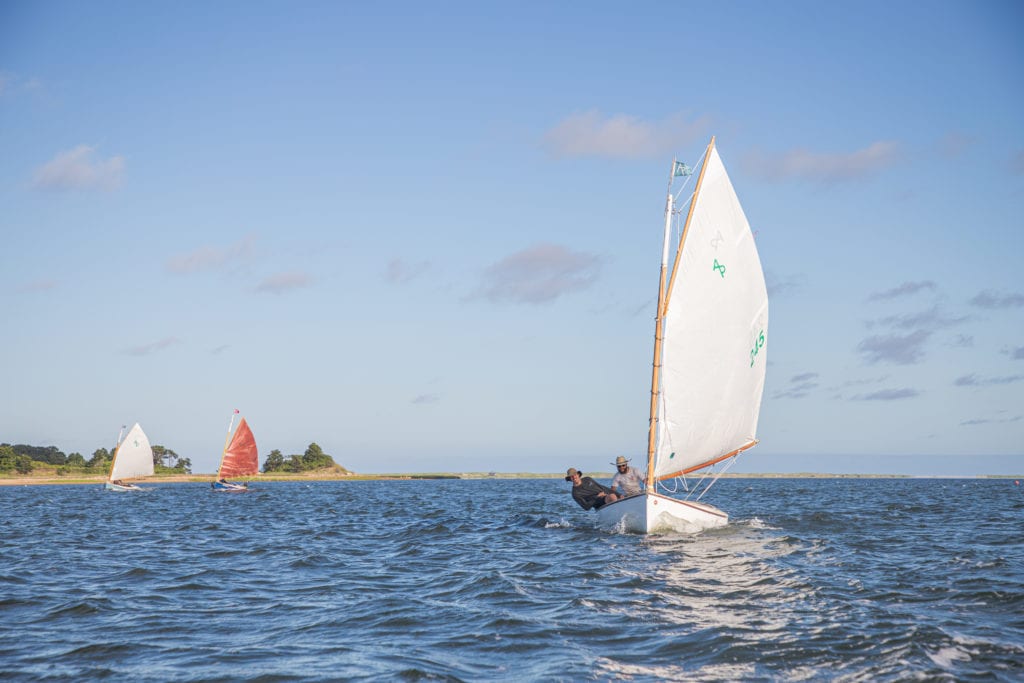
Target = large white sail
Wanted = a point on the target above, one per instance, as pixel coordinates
(715, 332)
(133, 457)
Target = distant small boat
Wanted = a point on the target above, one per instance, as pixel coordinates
(133, 459)
(240, 458)
(709, 355)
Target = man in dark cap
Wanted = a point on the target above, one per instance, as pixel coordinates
(587, 492)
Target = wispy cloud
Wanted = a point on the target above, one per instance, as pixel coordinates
(973, 380)
(209, 257)
(620, 136)
(1016, 353)
(12, 83)
(954, 144)
(997, 300)
(990, 421)
(894, 348)
(426, 399)
(961, 341)
(38, 286)
(799, 386)
(79, 169)
(778, 286)
(220, 349)
(887, 395)
(1017, 163)
(146, 349)
(283, 282)
(400, 272)
(824, 168)
(906, 289)
(539, 274)
(931, 318)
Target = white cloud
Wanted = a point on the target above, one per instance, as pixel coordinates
(905, 289)
(619, 136)
(539, 274)
(900, 349)
(887, 395)
(146, 349)
(401, 272)
(79, 169)
(973, 380)
(1017, 163)
(208, 258)
(283, 282)
(995, 300)
(38, 286)
(824, 168)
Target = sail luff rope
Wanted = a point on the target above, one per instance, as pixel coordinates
(664, 295)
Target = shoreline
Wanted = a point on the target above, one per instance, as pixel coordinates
(51, 480)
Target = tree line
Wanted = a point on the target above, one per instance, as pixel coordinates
(313, 459)
(22, 458)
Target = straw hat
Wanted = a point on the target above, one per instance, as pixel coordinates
(621, 460)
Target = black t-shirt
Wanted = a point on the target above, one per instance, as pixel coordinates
(586, 493)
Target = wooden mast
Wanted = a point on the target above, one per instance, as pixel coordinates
(113, 458)
(227, 441)
(663, 298)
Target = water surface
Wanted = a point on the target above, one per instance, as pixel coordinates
(813, 579)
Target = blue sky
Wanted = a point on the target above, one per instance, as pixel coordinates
(426, 235)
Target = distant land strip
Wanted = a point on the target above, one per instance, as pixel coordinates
(44, 478)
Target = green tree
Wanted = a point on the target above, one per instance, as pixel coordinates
(314, 458)
(76, 460)
(48, 454)
(274, 462)
(100, 458)
(185, 465)
(23, 464)
(164, 456)
(8, 458)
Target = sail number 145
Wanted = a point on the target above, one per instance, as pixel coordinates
(758, 345)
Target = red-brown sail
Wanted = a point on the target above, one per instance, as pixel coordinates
(240, 457)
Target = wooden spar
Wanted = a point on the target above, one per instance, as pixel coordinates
(663, 298)
(227, 441)
(113, 458)
(689, 216)
(652, 423)
(746, 446)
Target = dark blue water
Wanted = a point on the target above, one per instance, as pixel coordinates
(814, 579)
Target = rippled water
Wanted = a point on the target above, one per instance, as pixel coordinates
(823, 579)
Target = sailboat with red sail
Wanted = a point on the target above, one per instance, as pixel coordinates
(239, 459)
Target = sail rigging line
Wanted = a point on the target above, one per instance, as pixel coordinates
(718, 476)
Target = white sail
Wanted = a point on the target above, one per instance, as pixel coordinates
(715, 331)
(133, 457)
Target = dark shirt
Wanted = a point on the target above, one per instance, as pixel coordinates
(586, 493)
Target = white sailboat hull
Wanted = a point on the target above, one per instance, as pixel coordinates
(110, 486)
(652, 512)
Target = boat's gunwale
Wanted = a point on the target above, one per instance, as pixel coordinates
(696, 505)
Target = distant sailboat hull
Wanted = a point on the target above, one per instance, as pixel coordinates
(110, 486)
(653, 512)
(229, 487)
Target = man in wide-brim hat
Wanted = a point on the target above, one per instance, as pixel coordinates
(628, 481)
(587, 492)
